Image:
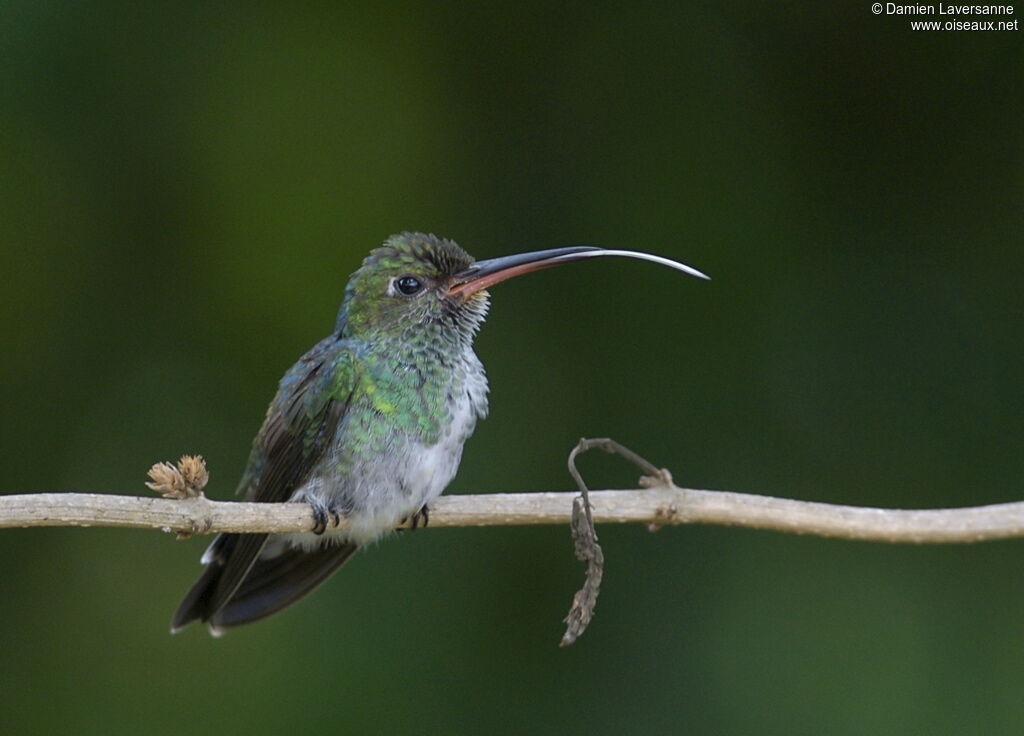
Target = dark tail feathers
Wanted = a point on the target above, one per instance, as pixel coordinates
(240, 586)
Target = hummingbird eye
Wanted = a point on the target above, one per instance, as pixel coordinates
(408, 285)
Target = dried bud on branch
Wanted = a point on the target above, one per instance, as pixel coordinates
(187, 480)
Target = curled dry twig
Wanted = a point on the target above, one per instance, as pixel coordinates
(584, 535)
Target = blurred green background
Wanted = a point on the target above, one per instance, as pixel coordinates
(184, 189)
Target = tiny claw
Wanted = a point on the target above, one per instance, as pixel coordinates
(423, 515)
(321, 517)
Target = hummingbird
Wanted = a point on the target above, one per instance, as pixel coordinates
(369, 424)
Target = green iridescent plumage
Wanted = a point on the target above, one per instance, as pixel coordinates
(350, 414)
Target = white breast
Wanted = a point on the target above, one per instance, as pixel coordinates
(432, 467)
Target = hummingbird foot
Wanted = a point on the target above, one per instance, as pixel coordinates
(323, 516)
(420, 518)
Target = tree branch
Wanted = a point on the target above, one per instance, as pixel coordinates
(658, 506)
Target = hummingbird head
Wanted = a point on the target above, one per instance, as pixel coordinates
(404, 284)
(417, 280)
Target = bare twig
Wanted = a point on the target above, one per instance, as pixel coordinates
(662, 506)
(584, 535)
(584, 540)
(657, 503)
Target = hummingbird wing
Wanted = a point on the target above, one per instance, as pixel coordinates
(311, 400)
(301, 420)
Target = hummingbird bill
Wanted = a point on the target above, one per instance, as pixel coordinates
(369, 424)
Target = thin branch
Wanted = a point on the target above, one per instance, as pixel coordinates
(656, 506)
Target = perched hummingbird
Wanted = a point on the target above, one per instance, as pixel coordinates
(369, 424)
